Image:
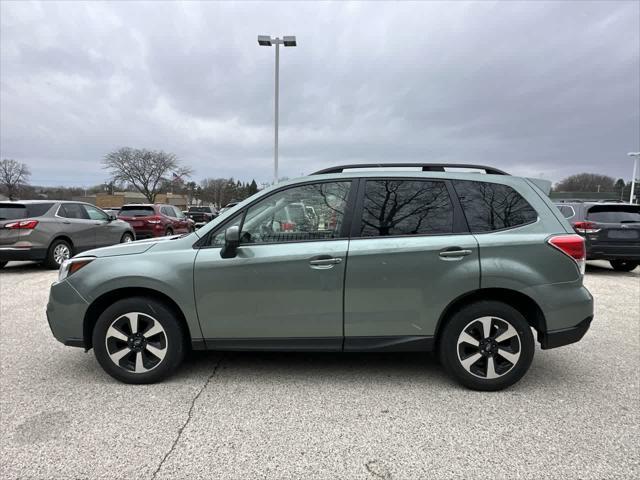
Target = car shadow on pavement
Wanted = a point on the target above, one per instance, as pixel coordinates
(607, 271)
(24, 267)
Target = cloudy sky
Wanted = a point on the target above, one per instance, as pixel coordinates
(532, 87)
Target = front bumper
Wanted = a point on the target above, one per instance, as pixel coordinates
(65, 312)
(565, 336)
(9, 254)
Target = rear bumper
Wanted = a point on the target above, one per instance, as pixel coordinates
(612, 251)
(148, 233)
(8, 254)
(566, 336)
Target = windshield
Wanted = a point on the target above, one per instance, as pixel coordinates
(614, 214)
(136, 211)
(13, 211)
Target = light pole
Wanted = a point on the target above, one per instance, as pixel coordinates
(635, 156)
(267, 41)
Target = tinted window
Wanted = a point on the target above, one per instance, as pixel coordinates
(566, 211)
(491, 206)
(136, 211)
(72, 210)
(406, 207)
(614, 214)
(283, 217)
(168, 211)
(95, 213)
(12, 211)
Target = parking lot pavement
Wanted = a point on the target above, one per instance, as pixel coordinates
(249, 415)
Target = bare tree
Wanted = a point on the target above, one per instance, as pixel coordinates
(586, 182)
(145, 170)
(13, 176)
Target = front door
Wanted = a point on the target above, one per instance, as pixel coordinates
(105, 231)
(284, 287)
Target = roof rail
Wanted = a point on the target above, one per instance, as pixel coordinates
(426, 167)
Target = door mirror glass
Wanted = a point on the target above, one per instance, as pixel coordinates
(112, 217)
(231, 242)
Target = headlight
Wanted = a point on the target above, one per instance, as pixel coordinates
(72, 265)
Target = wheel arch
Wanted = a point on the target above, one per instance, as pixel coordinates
(64, 237)
(518, 300)
(105, 300)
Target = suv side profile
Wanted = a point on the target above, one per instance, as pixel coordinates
(465, 264)
(611, 231)
(51, 231)
(155, 220)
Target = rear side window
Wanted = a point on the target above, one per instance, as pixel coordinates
(406, 207)
(566, 210)
(136, 211)
(491, 206)
(13, 211)
(73, 210)
(614, 214)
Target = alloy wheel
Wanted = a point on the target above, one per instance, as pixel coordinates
(488, 347)
(61, 253)
(136, 342)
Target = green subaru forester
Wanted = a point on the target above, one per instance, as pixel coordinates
(355, 258)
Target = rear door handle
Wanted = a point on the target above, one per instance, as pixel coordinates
(455, 253)
(324, 262)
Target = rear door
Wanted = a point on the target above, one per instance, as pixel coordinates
(77, 224)
(409, 256)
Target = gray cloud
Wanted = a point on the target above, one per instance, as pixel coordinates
(536, 88)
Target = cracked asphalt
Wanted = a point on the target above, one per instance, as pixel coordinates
(359, 416)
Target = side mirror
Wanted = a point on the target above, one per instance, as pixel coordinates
(231, 242)
(112, 217)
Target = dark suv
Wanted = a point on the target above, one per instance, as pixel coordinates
(611, 231)
(155, 220)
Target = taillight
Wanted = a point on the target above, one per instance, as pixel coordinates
(585, 227)
(572, 246)
(22, 225)
(154, 220)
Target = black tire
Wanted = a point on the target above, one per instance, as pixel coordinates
(623, 265)
(51, 260)
(168, 233)
(467, 319)
(3, 264)
(126, 236)
(171, 341)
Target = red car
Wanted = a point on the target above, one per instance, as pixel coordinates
(155, 220)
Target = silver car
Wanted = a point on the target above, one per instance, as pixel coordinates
(51, 231)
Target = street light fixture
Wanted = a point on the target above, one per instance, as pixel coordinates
(267, 41)
(635, 156)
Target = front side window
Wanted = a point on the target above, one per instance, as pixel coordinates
(305, 212)
(217, 239)
(168, 211)
(492, 206)
(406, 207)
(95, 213)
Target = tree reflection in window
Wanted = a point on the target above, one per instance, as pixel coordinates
(492, 206)
(406, 207)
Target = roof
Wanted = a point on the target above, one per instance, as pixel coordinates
(31, 202)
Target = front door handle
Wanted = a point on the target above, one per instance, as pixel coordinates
(324, 262)
(455, 253)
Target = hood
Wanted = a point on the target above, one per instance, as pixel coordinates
(131, 248)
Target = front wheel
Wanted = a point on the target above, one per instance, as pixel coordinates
(138, 340)
(168, 233)
(58, 252)
(487, 345)
(623, 265)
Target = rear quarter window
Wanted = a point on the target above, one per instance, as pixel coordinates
(13, 211)
(492, 206)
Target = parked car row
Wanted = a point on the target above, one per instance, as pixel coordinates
(201, 215)
(50, 231)
(611, 231)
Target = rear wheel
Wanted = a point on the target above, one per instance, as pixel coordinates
(623, 265)
(487, 345)
(169, 232)
(126, 238)
(58, 252)
(138, 340)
